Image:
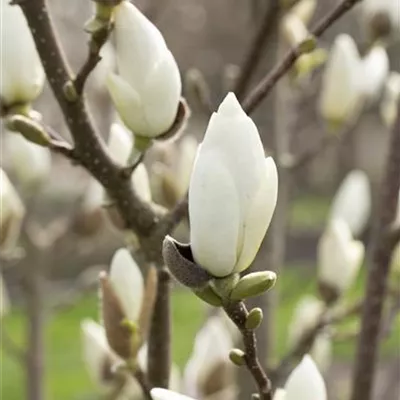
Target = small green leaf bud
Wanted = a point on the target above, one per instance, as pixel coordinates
(254, 319)
(209, 296)
(253, 284)
(29, 129)
(237, 357)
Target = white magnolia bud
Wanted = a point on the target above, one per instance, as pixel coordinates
(339, 257)
(304, 9)
(211, 349)
(97, 355)
(30, 162)
(22, 75)
(12, 213)
(280, 394)
(342, 92)
(381, 18)
(232, 193)
(165, 394)
(376, 70)
(305, 382)
(390, 100)
(305, 316)
(147, 89)
(352, 202)
(4, 298)
(127, 281)
(321, 351)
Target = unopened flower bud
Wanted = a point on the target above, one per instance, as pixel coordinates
(254, 319)
(253, 284)
(237, 356)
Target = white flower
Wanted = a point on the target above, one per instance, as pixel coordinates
(164, 394)
(279, 394)
(147, 89)
(391, 97)
(305, 382)
(22, 75)
(12, 212)
(97, 355)
(305, 316)
(127, 281)
(342, 92)
(339, 256)
(4, 298)
(232, 193)
(376, 70)
(321, 351)
(352, 202)
(211, 350)
(30, 162)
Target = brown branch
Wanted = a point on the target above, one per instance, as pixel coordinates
(238, 313)
(159, 352)
(382, 248)
(257, 45)
(264, 87)
(90, 150)
(141, 378)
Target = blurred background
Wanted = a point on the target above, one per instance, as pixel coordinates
(213, 38)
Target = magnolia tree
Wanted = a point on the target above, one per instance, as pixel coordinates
(227, 187)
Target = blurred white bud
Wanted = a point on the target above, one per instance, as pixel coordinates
(210, 356)
(4, 298)
(305, 316)
(304, 10)
(381, 18)
(165, 394)
(390, 100)
(321, 351)
(147, 89)
(294, 30)
(232, 193)
(342, 94)
(339, 259)
(352, 202)
(12, 213)
(127, 282)
(93, 199)
(22, 74)
(29, 162)
(305, 382)
(280, 394)
(376, 70)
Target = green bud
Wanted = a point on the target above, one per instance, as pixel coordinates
(94, 25)
(253, 284)
(254, 319)
(70, 92)
(308, 45)
(224, 286)
(29, 129)
(209, 296)
(237, 357)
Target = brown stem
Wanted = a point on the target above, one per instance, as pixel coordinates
(264, 87)
(141, 378)
(159, 353)
(238, 313)
(255, 52)
(382, 248)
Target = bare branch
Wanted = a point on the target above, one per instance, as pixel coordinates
(264, 87)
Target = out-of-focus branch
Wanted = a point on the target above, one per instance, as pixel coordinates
(382, 248)
(264, 87)
(256, 49)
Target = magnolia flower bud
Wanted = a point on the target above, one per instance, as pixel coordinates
(304, 10)
(232, 193)
(29, 162)
(280, 394)
(339, 260)
(147, 90)
(165, 394)
(376, 70)
(4, 298)
(305, 382)
(342, 93)
(22, 75)
(381, 18)
(296, 33)
(352, 202)
(305, 316)
(12, 213)
(391, 97)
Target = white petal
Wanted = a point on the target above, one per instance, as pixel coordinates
(164, 394)
(321, 351)
(259, 215)
(352, 202)
(128, 103)
(305, 382)
(127, 281)
(214, 215)
(280, 394)
(187, 155)
(22, 75)
(140, 180)
(120, 143)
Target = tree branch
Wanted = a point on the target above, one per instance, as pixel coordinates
(238, 313)
(382, 248)
(264, 87)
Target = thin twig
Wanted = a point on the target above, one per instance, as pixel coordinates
(264, 87)
(141, 378)
(382, 248)
(238, 313)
